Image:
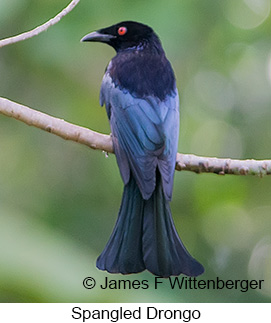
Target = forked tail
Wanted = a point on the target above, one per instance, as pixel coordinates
(145, 237)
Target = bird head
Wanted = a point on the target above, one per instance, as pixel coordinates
(124, 35)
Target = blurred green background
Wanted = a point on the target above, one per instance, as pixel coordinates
(59, 200)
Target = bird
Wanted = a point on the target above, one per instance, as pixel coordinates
(142, 104)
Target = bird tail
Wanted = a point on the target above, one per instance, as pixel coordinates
(145, 237)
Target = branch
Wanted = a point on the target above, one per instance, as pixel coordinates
(41, 28)
(103, 142)
(222, 166)
(56, 126)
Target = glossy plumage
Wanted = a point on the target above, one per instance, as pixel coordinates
(142, 104)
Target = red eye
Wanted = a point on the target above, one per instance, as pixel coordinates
(122, 31)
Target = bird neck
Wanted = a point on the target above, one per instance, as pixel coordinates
(151, 45)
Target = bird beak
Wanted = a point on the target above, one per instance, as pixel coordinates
(97, 36)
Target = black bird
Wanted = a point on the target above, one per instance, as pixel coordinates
(141, 99)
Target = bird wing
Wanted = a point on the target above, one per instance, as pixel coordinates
(145, 135)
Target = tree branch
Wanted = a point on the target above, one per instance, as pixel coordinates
(223, 166)
(56, 126)
(103, 142)
(41, 28)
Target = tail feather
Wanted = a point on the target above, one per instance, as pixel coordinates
(123, 252)
(145, 237)
(163, 251)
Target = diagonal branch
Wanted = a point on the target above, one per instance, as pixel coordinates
(41, 28)
(103, 142)
(56, 126)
